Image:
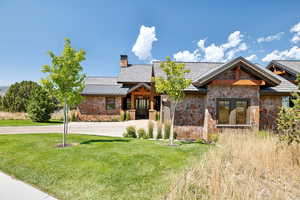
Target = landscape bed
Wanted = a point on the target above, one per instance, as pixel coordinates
(98, 168)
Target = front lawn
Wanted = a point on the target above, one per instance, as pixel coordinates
(98, 168)
(21, 122)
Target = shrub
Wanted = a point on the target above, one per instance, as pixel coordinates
(150, 129)
(17, 96)
(115, 119)
(167, 130)
(142, 133)
(127, 117)
(40, 106)
(73, 116)
(122, 116)
(213, 138)
(159, 131)
(130, 132)
(200, 141)
(288, 123)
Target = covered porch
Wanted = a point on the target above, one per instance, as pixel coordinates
(141, 102)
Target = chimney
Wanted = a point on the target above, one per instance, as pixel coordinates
(124, 61)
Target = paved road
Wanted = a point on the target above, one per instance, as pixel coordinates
(91, 128)
(13, 189)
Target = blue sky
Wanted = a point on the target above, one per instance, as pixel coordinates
(184, 30)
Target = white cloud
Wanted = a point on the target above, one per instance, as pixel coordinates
(296, 30)
(230, 54)
(143, 45)
(251, 57)
(233, 40)
(187, 56)
(270, 38)
(292, 53)
(213, 53)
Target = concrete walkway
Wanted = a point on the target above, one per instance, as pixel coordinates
(92, 128)
(13, 189)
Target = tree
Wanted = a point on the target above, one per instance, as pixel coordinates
(172, 85)
(65, 79)
(17, 96)
(40, 105)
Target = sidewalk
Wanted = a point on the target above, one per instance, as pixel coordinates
(12, 189)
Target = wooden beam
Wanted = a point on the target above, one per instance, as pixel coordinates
(279, 72)
(238, 73)
(238, 82)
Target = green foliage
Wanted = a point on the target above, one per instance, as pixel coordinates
(142, 133)
(127, 117)
(17, 96)
(167, 129)
(74, 116)
(200, 141)
(1, 104)
(159, 131)
(115, 119)
(150, 129)
(130, 132)
(288, 123)
(40, 106)
(213, 138)
(157, 116)
(122, 116)
(65, 79)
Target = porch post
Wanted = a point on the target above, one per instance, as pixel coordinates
(132, 109)
(152, 112)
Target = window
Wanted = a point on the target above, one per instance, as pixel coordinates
(110, 103)
(287, 102)
(232, 111)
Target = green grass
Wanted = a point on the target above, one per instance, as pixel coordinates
(20, 122)
(98, 168)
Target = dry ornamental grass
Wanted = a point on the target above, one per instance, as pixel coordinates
(243, 166)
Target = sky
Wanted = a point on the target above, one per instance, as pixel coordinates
(214, 31)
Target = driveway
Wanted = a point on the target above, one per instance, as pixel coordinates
(91, 128)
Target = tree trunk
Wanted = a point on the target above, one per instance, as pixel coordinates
(65, 123)
(173, 110)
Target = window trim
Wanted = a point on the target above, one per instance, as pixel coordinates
(106, 104)
(232, 108)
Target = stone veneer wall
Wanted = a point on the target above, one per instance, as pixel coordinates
(93, 108)
(269, 109)
(214, 92)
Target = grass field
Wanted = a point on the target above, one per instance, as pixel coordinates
(19, 122)
(98, 168)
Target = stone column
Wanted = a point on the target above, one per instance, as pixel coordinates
(132, 109)
(152, 112)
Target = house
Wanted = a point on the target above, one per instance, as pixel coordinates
(236, 94)
(288, 69)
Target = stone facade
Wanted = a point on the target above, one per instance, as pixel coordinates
(218, 91)
(93, 108)
(269, 108)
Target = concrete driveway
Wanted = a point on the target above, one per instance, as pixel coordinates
(91, 128)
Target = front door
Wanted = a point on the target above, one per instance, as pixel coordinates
(142, 108)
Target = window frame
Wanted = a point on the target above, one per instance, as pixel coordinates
(107, 105)
(232, 111)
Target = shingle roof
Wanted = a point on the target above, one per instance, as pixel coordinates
(135, 74)
(293, 66)
(206, 77)
(103, 86)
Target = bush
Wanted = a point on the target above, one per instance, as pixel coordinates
(17, 96)
(200, 141)
(150, 129)
(288, 123)
(73, 116)
(159, 131)
(167, 130)
(142, 133)
(130, 132)
(122, 116)
(127, 117)
(40, 106)
(115, 119)
(213, 138)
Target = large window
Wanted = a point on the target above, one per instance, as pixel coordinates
(287, 102)
(110, 103)
(232, 111)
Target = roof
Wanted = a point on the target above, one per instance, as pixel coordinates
(103, 86)
(206, 77)
(196, 68)
(292, 66)
(140, 73)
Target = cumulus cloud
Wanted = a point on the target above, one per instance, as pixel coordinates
(296, 30)
(213, 52)
(270, 38)
(187, 56)
(251, 57)
(292, 53)
(143, 45)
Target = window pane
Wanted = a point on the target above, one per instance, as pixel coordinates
(110, 103)
(224, 110)
(285, 101)
(241, 112)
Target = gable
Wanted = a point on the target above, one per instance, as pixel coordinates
(252, 74)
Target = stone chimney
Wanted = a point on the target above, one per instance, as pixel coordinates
(124, 61)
